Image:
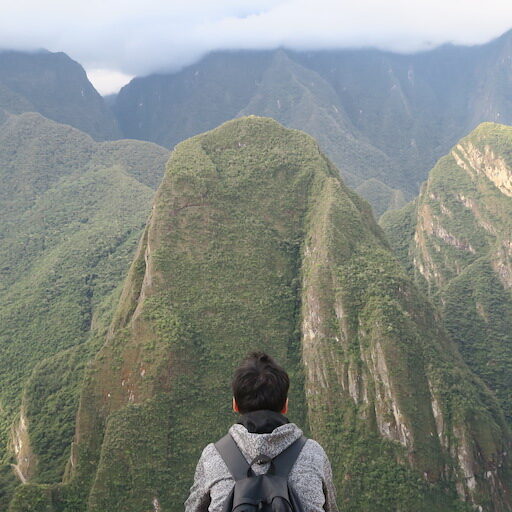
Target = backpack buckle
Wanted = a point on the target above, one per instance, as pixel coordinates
(261, 459)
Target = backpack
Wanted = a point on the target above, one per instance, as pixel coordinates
(269, 492)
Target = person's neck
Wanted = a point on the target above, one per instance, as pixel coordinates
(262, 421)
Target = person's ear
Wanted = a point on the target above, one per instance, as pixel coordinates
(284, 410)
(235, 405)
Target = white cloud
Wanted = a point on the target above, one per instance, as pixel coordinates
(107, 81)
(134, 37)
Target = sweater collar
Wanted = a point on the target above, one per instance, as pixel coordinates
(262, 421)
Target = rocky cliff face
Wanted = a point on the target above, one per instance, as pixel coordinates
(457, 237)
(254, 242)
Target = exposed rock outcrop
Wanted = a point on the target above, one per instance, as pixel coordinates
(457, 236)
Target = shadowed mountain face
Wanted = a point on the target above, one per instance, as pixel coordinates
(71, 213)
(457, 240)
(377, 115)
(254, 242)
(56, 87)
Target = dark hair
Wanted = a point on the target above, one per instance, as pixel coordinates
(260, 383)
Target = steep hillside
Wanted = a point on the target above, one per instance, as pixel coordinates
(56, 87)
(71, 212)
(377, 115)
(457, 239)
(254, 242)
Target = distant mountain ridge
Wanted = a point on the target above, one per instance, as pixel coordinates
(383, 118)
(378, 115)
(58, 88)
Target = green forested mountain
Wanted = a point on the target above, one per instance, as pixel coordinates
(57, 87)
(71, 212)
(254, 242)
(457, 240)
(379, 116)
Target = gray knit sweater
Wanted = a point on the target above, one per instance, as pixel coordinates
(310, 477)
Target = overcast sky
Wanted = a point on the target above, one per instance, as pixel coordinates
(117, 39)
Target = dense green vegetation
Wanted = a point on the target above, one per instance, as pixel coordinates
(394, 358)
(399, 226)
(456, 240)
(71, 212)
(380, 196)
(478, 313)
(254, 242)
(233, 262)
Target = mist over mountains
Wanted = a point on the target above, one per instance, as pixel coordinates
(383, 118)
(398, 339)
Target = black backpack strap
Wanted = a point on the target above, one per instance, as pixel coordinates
(284, 462)
(233, 457)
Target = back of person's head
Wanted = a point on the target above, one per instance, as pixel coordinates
(260, 383)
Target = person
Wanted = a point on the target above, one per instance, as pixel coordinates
(260, 395)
